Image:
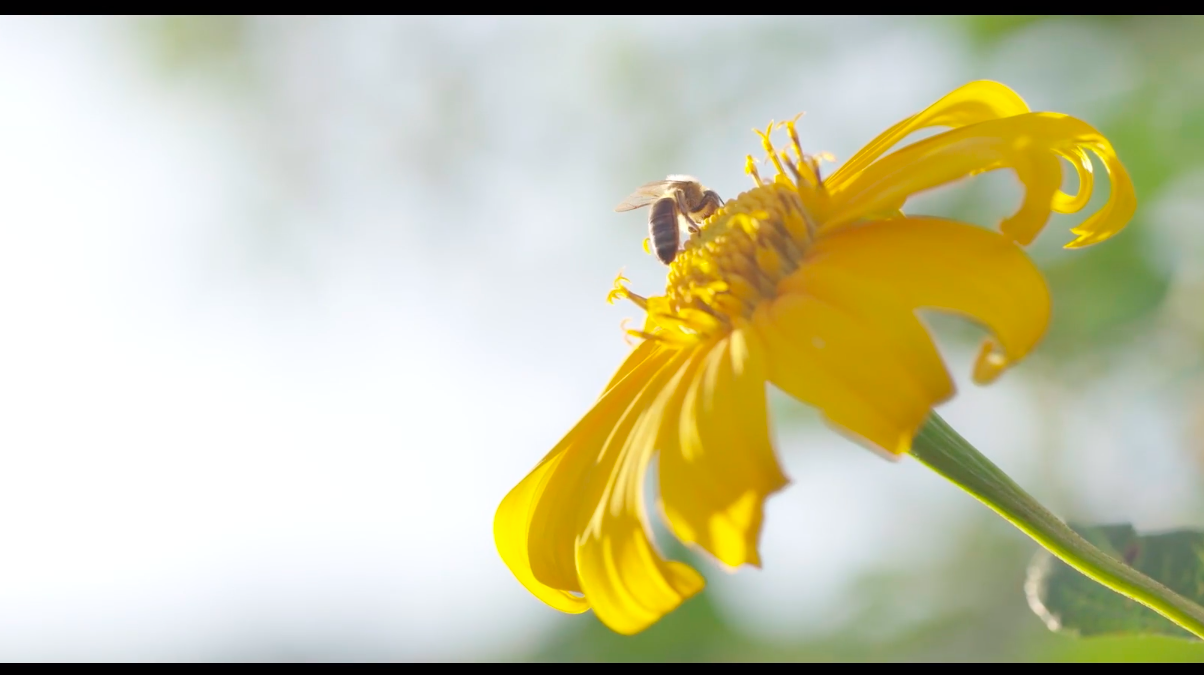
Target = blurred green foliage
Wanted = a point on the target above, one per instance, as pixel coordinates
(1103, 296)
(188, 43)
(987, 29)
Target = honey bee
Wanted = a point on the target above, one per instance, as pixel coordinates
(672, 199)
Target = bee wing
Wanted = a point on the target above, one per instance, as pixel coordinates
(645, 195)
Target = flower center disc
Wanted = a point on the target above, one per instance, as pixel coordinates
(740, 253)
(738, 257)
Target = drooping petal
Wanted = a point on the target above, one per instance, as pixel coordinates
(537, 525)
(718, 466)
(879, 309)
(945, 265)
(1029, 144)
(510, 529)
(627, 582)
(825, 356)
(969, 104)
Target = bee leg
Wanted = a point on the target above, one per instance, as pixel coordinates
(683, 210)
(679, 197)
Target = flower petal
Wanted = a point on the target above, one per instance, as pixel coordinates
(829, 358)
(969, 104)
(1029, 144)
(880, 310)
(718, 467)
(1064, 203)
(641, 353)
(551, 522)
(946, 265)
(510, 527)
(625, 579)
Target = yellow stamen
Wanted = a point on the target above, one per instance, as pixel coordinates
(750, 168)
(622, 292)
(800, 168)
(789, 125)
(793, 166)
(769, 149)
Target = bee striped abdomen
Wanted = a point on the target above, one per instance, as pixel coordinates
(663, 229)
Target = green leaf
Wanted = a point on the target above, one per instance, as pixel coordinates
(1069, 602)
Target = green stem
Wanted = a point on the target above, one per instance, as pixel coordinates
(940, 448)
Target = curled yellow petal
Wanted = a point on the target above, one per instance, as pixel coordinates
(969, 104)
(717, 463)
(945, 265)
(1121, 204)
(1029, 144)
(1064, 203)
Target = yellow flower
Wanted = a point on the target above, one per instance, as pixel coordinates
(811, 285)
